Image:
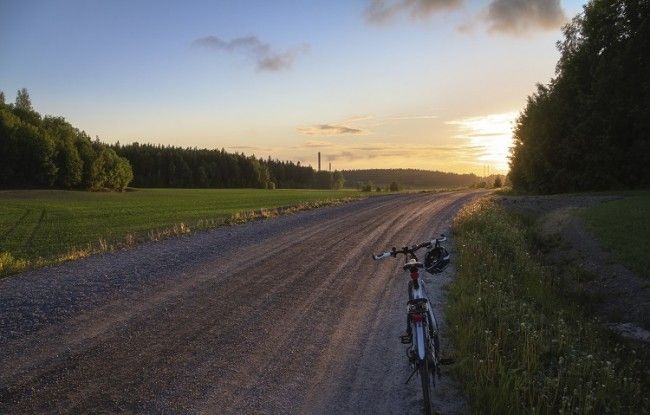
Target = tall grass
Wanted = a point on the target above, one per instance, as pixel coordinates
(524, 345)
(623, 227)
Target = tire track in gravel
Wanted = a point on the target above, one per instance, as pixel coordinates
(277, 316)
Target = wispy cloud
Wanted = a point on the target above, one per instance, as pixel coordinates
(266, 59)
(317, 144)
(382, 11)
(412, 117)
(492, 133)
(392, 152)
(522, 16)
(518, 17)
(509, 17)
(248, 148)
(357, 118)
(329, 130)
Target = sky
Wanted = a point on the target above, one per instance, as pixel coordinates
(428, 84)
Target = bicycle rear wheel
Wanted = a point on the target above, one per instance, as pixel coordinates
(425, 380)
(434, 347)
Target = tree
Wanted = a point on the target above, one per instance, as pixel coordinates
(588, 128)
(413, 178)
(109, 171)
(394, 187)
(2, 98)
(497, 182)
(323, 180)
(23, 101)
(337, 180)
(46, 152)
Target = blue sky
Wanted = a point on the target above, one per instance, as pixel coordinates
(430, 84)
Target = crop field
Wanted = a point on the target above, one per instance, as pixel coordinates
(45, 226)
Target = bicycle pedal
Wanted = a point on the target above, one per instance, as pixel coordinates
(406, 339)
(447, 361)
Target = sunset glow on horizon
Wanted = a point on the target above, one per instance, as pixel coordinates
(370, 84)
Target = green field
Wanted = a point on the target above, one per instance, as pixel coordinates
(623, 227)
(44, 226)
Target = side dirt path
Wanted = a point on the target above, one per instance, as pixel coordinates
(621, 297)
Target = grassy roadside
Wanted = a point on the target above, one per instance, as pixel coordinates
(525, 345)
(623, 227)
(43, 227)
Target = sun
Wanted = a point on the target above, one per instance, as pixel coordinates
(492, 134)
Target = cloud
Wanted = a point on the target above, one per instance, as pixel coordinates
(412, 117)
(357, 118)
(266, 59)
(249, 148)
(391, 152)
(492, 133)
(329, 130)
(345, 155)
(516, 17)
(316, 144)
(381, 11)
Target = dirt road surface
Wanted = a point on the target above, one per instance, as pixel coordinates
(289, 315)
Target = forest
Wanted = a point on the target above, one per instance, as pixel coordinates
(408, 178)
(589, 128)
(48, 152)
(169, 166)
(44, 152)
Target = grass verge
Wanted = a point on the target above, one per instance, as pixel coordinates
(44, 227)
(525, 344)
(623, 227)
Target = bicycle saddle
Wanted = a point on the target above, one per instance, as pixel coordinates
(412, 263)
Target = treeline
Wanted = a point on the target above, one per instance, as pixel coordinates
(169, 166)
(589, 128)
(43, 152)
(407, 178)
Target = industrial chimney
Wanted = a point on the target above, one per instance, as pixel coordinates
(319, 161)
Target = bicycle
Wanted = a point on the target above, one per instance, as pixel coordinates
(423, 353)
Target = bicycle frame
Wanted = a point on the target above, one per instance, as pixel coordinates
(417, 292)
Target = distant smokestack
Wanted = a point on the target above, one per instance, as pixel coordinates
(330, 166)
(319, 161)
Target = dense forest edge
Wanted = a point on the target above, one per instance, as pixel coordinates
(589, 127)
(177, 167)
(48, 152)
(413, 179)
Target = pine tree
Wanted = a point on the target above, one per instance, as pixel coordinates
(23, 101)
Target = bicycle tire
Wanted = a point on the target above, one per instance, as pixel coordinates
(434, 342)
(426, 386)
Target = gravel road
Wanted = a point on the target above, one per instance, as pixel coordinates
(288, 315)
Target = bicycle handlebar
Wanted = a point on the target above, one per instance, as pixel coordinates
(381, 256)
(406, 250)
